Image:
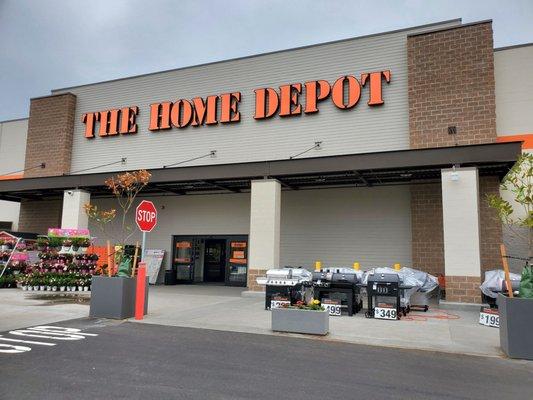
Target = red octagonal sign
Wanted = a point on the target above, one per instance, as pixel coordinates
(146, 216)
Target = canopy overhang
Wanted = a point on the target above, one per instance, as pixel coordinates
(352, 170)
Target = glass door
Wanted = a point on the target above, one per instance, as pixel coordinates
(184, 258)
(214, 260)
(236, 273)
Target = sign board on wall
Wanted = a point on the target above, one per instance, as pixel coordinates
(289, 100)
(153, 259)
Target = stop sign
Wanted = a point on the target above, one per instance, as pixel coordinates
(146, 216)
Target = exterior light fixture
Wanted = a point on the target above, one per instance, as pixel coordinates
(454, 175)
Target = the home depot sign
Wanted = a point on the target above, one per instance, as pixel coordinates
(289, 100)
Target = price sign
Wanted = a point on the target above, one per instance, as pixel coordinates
(333, 307)
(489, 317)
(279, 302)
(385, 313)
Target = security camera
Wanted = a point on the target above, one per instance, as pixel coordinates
(70, 192)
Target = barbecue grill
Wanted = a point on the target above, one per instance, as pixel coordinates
(339, 286)
(383, 292)
(285, 286)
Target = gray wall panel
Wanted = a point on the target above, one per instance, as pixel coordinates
(12, 155)
(13, 145)
(337, 226)
(341, 226)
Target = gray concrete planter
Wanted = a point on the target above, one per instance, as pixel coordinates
(114, 297)
(516, 326)
(300, 321)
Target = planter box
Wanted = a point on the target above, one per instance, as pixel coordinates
(516, 326)
(300, 321)
(114, 297)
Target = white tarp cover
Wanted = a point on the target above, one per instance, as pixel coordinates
(419, 280)
(494, 280)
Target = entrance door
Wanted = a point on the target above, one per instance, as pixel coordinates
(214, 260)
(184, 258)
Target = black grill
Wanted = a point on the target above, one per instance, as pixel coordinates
(338, 286)
(383, 290)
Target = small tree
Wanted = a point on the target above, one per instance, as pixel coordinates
(125, 186)
(518, 215)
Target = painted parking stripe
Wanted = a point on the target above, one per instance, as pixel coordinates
(59, 329)
(26, 341)
(13, 349)
(49, 332)
(46, 335)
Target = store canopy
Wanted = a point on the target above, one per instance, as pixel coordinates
(369, 169)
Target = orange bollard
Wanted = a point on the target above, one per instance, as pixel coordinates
(140, 292)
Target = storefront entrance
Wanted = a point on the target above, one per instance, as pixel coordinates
(214, 260)
(211, 258)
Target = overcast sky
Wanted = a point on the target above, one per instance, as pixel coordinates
(50, 44)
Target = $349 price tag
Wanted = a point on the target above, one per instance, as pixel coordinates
(385, 313)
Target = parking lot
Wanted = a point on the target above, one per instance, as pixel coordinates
(125, 360)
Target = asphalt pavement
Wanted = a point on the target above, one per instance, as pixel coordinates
(123, 360)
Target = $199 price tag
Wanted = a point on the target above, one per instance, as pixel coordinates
(490, 318)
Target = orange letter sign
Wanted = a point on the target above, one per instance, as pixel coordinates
(376, 97)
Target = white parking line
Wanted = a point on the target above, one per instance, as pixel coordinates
(43, 332)
(26, 341)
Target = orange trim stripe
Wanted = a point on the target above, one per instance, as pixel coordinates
(526, 138)
(9, 177)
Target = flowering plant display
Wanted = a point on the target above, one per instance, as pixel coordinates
(313, 305)
(42, 243)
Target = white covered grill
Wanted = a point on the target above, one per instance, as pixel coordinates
(286, 284)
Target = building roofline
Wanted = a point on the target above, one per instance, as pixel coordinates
(52, 95)
(515, 46)
(265, 54)
(14, 120)
(448, 28)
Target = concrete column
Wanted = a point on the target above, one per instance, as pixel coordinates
(460, 214)
(265, 219)
(74, 216)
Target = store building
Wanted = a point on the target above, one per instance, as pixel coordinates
(377, 149)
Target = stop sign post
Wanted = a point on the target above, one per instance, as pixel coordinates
(146, 220)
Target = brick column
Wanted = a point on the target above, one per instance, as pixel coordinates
(37, 216)
(490, 225)
(426, 226)
(49, 141)
(50, 135)
(451, 83)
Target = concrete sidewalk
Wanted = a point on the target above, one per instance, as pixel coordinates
(223, 308)
(20, 309)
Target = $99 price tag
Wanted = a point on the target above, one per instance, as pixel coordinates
(385, 313)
